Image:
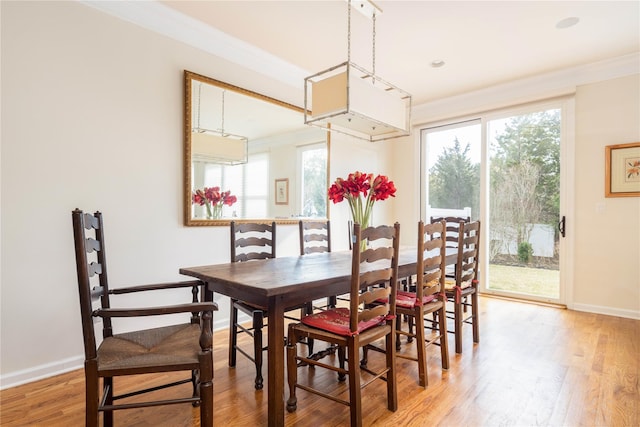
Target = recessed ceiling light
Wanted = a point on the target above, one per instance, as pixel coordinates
(437, 63)
(567, 22)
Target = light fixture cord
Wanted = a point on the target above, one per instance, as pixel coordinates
(373, 55)
(349, 31)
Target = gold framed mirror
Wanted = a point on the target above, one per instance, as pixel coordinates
(239, 147)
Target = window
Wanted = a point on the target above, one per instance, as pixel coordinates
(248, 182)
(312, 160)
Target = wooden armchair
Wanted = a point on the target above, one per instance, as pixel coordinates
(374, 276)
(183, 347)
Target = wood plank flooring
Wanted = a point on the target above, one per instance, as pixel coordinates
(535, 366)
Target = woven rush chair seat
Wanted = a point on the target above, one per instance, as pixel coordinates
(450, 284)
(150, 349)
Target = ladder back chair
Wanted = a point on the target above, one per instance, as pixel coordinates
(428, 298)
(315, 237)
(181, 347)
(465, 284)
(250, 241)
(374, 273)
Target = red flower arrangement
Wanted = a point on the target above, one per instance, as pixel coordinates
(213, 199)
(361, 190)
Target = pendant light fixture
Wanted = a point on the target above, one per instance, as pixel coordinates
(217, 146)
(349, 99)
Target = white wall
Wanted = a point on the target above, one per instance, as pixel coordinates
(92, 118)
(607, 261)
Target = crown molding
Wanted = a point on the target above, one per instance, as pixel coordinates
(164, 20)
(542, 86)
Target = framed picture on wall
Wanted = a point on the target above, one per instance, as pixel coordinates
(622, 170)
(282, 191)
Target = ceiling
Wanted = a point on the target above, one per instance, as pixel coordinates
(482, 43)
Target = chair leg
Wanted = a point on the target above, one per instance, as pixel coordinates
(392, 393)
(92, 395)
(195, 383)
(341, 359)
(257, 347)
(108, 415)
(292, 370)
(398, 328)
(476, 317)
(355, 396)
(233, 333)
(205, 389)
(457, 313)
(423, 379)
(365, 356)
(332, 301)
(444, 340)
(307, 310)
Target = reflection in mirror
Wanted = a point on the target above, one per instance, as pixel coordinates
(228, 178)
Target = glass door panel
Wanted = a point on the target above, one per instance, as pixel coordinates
(524, 205)
(451, 179)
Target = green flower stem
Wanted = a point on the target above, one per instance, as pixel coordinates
(208, 205)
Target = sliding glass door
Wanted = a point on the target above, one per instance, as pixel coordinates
(503, 169)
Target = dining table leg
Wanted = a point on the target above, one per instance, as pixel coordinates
(275, 378)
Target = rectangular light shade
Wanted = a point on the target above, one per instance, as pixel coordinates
(349, 99)
(216, 148)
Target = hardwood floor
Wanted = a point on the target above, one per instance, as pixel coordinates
(534, 366)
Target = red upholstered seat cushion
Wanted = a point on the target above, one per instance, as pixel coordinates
(408, 299)
(337, 321)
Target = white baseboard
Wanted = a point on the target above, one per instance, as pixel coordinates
(47, 370)
(40, 372)
(618, 312)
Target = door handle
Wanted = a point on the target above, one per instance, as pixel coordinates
(562, 225)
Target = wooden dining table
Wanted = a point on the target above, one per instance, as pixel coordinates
(281, 283)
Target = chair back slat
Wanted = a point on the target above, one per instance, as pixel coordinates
(468, 252)
(431, 264)
(251, 241)
(374, 273)
(315, 236)
(452, 227)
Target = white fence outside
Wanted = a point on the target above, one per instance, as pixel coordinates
(541, 236)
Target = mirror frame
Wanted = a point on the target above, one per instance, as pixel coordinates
(189, 77)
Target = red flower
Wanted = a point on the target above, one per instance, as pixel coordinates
(214, 196)
(360, 185)
(228, 199)
(198, 198)
(382, 188)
